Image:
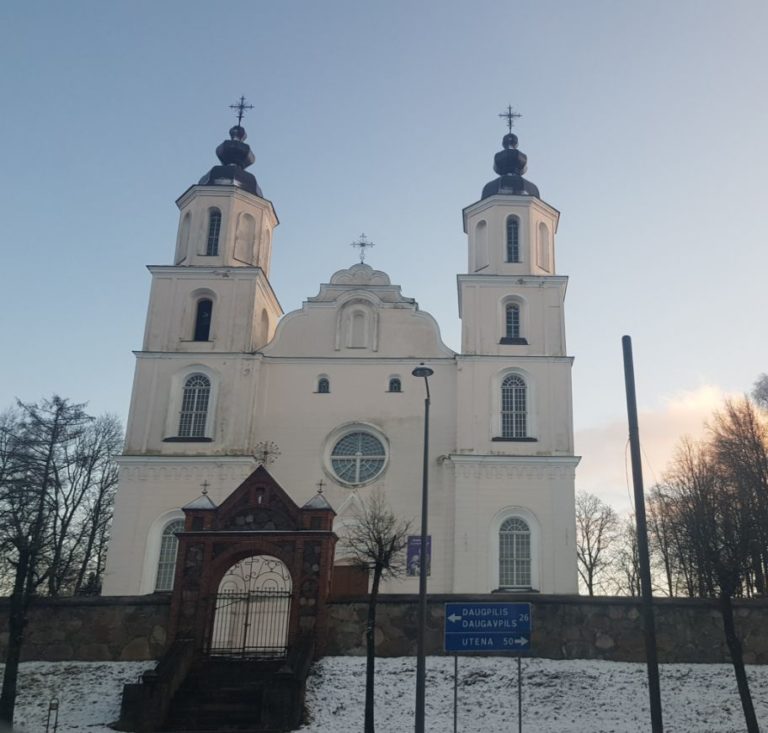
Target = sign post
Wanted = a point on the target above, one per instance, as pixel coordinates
(490, 628)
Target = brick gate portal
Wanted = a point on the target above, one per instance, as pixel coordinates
(253, 574)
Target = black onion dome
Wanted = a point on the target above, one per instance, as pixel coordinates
(510, 164)
(235, 156)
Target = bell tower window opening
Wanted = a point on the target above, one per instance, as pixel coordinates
(514, 410)
(203, 320)
(194, 406)
(514, 554)
(323, 385)
(512, 321)
(214, 228)
(513, 239)
(395, 385)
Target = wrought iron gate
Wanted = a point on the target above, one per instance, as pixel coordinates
(253, 609)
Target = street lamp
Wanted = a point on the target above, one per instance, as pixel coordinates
(421, 671)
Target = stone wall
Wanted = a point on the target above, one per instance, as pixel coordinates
(92, 629)
(565, 627)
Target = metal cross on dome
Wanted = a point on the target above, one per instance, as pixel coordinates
(240, 107)
(362, 243)
(510, 116)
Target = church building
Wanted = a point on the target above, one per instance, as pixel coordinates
(323, 397)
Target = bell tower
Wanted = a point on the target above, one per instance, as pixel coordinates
(217, 296)
(211, 312)
(515, 453)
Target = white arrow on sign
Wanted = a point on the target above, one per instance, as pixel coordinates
(453, 617)
(522, 640)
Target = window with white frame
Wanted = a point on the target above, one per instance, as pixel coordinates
(513, 239)
(514, 553)
(166, 563)
(214, 228)
(194, 406)
(514, 407)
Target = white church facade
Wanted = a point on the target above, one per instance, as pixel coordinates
(324, 395)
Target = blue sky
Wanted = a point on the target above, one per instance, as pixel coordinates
(644, 124)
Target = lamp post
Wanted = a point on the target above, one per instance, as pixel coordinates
(421, 671)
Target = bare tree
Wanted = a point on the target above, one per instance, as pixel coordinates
(739, 447)
(716, 516)
(597, 529)
(57, 482)
(376, 541)
(760, 391)
(626, 565)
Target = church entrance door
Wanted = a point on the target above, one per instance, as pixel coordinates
(252, 609)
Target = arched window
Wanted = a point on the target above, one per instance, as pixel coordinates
(512, 321)
(513, 239)
(194, 406)
(514, 414)
(323, 385)
(395, 385)
(203, 319)
(514, 554)
(214, 227)
(166, 564)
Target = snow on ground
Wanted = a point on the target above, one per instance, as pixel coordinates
(575, 696)
(88, 693)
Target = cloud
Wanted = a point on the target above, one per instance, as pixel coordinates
(605, 467)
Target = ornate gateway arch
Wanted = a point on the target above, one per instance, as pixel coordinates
(253, 574)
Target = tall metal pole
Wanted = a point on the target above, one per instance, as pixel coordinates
(421, 669)
(649, 626)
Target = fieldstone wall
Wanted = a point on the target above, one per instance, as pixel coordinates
(110, 628)
(565, 627)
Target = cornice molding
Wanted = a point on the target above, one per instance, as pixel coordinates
(502, 468)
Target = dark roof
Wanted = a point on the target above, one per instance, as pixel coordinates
(510, 164)
(235, 156)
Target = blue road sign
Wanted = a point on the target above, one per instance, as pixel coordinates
(493, 628)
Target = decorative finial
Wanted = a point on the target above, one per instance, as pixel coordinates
(510, 116)
(205, 486)
(362, 243)
(320, 485)
(240, 108)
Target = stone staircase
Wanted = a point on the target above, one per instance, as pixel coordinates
(194, 693)
(225, 695)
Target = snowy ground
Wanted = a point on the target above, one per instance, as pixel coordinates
(558, 696)
(88, 694)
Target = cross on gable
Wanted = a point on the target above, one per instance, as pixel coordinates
(510, 116)
(240, 108)
(362, 243)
